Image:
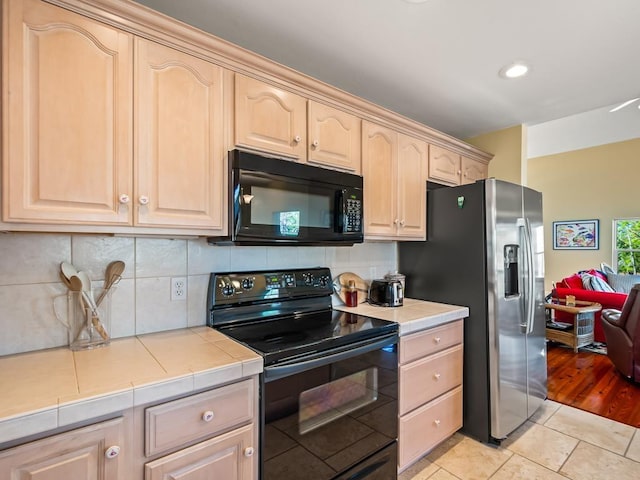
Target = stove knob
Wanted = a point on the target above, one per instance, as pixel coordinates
(324, 280)
(308, 278)
(228, 290)
(247, 283)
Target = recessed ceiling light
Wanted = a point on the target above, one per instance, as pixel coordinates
(514, 70)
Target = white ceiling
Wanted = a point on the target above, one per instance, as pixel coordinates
(437, 62)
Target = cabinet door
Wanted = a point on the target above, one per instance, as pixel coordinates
(379, 154)
(67, 128)
(79, 455)
(412, 187)
(473, 170)
(228, 456)
(268, 118)
(180, 175)
(444, 165)
(334, 138)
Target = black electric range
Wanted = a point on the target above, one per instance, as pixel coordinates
(328, 391)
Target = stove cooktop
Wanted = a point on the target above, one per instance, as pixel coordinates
(286, 338)
(286, 314)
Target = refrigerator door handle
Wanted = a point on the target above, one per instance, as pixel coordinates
(528, 248)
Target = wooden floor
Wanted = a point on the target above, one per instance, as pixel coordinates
(590, 382)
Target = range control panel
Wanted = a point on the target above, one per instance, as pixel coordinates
(243, 287)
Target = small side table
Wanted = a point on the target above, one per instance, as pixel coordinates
(581, 333)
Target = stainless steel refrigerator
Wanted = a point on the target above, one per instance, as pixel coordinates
(485, 250)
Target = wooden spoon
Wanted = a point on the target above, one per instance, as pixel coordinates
(112, 274)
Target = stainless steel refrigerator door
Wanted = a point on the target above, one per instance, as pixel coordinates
(536, 344)
(506, 308)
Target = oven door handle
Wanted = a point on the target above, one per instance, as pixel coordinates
(322, 358)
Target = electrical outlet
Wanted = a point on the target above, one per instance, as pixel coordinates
(178, 288)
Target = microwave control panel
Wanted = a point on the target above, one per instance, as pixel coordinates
(351, 210)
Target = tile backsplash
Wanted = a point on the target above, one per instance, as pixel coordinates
(141, 302)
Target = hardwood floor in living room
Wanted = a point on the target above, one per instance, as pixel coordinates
(590, 382)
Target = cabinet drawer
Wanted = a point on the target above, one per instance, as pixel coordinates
(227, 456)
(418, 345)
(424, 428)
(425, 379)
(174, 424)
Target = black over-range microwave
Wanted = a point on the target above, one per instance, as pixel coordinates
(280, 202)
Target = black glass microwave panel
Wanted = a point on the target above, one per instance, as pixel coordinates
(275, 201)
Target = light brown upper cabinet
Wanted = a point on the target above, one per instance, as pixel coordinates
(451, 168)
(68, 134)
(270, 119)
(334, 138)
(412, 187)
(74, 112)
(180, 168)
(273, 120)
(394, 170)
(473, 170)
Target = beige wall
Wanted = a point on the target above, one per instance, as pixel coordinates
(508, 147)
(593, 183)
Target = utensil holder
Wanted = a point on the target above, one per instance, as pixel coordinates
(86, 327)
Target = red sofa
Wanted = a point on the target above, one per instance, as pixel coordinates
(569, 286)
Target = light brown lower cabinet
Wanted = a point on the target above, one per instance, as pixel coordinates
(430, 390)
(207, 435)
(89, 453)
(227, 456)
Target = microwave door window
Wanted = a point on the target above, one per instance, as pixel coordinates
(289, 213)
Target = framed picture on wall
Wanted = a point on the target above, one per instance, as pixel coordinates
(576, 235)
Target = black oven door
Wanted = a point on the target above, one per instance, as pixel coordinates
(333, 417)
(282, 202)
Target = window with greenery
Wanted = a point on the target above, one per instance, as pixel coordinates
(626, 253)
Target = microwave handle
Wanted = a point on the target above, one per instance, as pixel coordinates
(340, 211)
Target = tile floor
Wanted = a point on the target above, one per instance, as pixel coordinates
(559, 442)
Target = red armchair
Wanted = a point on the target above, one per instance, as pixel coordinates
(606, 299)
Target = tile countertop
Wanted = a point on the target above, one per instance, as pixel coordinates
(48, 389)
(413, 316)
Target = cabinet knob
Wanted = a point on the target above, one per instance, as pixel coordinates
(143, 200)
(112, 452)
(395, 222)
(297, 139)
(437, 340)
(208, 416)
(436, 376)
(459, 172)
(124, 198)
(315, 143)
(248, 452)
(402, 222)
(436, 423)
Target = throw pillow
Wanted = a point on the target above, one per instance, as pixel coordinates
(594, 282)
(606, 268)
(574, 281)
(623, 283)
